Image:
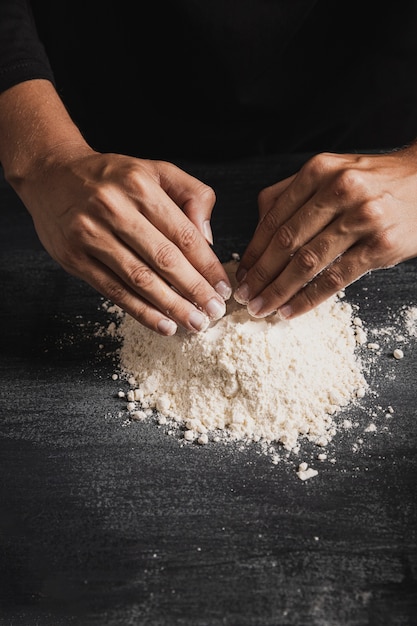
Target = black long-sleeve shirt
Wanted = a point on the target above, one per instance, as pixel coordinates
(191, 78)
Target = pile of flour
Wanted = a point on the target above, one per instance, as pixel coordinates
(261, 380)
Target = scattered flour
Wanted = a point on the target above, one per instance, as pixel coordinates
(410, 316)
(263, 380)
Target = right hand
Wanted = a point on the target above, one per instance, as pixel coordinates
(134, 229)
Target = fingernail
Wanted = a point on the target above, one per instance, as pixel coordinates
(208, 234)
(198, 320)
(284, 312)
(241, 294)
(223, 289)
(167, 327)
(255, 305)
(241, 274)
(215, 309)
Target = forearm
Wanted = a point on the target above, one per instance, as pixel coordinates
(34, 124)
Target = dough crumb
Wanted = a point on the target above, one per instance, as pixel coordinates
(305, 474)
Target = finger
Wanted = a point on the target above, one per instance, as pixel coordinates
(111, 287)
(155, 286)
(297, 193)
(309, 260)
(148, 298)
(290, 237)
(342, 272)
(267, 198)
(194, 197)
(174, 248)
(269, 195)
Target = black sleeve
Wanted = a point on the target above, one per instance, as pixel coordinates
(22, 55)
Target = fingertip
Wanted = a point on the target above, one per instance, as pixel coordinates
(215, 309)
(198, 320)
(223, 289)
(167, 327)
(241, 294)
(285, 312)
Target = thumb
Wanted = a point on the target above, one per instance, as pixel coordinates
(194, 197)
(199, 210)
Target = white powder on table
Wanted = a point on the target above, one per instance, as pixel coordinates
(410, 315)
(262, 380)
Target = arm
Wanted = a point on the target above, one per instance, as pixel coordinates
(338, 218)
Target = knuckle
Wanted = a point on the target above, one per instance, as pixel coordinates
(165, 257)
(348, 180)
(319, 164)
(82, 229)
(133, 178)
(277, 292)
(261, 274)
(196, 292)
(114, 291)
(306, 260)
(384, 244)
(370, 214)
(285, 238)
(270, 222)
(141, 277)
(209, 268)
(207, 194)
(103, 206)
(187, 237)
(333, 278)
(100, 198)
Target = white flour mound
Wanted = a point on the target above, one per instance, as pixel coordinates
(267, 380)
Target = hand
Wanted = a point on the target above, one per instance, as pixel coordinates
(338, 218)
(136, 231)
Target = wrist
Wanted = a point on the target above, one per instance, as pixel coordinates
(35, 132)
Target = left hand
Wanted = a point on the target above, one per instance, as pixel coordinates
(339, 217)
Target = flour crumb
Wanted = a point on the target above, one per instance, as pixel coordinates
(304, 472)
(360, 335)
(189, 435)
(139, 416)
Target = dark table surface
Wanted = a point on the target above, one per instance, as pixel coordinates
(107, 523)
